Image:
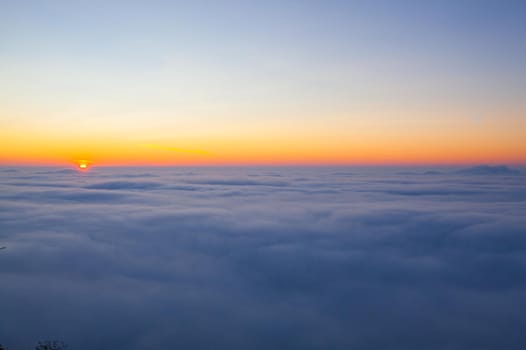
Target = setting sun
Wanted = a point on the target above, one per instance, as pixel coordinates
(83, 164)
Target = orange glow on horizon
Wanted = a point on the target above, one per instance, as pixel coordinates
(354, 147)
(254, 158)
(416, 156)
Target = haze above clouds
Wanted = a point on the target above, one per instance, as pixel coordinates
(263, 258)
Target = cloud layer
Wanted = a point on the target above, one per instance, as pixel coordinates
(263, 258)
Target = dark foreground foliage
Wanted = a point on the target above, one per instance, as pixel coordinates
(51, 345)
(46, 345)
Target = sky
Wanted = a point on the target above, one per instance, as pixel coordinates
(263, 258)
(262, 82)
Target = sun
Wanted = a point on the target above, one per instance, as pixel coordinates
(83, 164)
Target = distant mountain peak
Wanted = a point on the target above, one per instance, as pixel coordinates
(489, 170)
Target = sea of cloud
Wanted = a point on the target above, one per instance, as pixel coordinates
(263, 258)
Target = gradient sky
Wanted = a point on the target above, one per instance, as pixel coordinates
(228, 82)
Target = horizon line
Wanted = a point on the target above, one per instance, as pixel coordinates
(253, 165)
